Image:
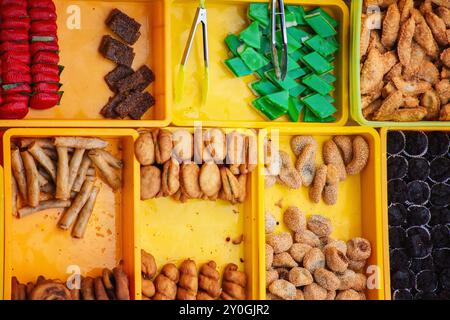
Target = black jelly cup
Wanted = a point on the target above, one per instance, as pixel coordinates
(397, 167)
(397, 214)
(441, 258)
(440, 169)
(397, 237)
(402, 294)
(419, 264)
(418, 242)
(426, 281)
(440, 195)
(399, 259)
(418, 168)
(397, 191)
(438, 143)
(440, 236)
(417, 215)
(395, 142)
(418, 192)
(416, 143)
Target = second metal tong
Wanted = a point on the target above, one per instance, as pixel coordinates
(277, 7)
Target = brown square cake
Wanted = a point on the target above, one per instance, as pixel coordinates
(124, 26)
(108, 110)
(117, 74)
(137, 81)
(116, 51)
(135, 105)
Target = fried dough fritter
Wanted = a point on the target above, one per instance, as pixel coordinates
(405, 41)
(371, 73)
(391, 26)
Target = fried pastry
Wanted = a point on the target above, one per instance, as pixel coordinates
(424, 36)
(428, 72)
(431, 101)
(445, 57)
(405, 41)
(442, 3)
(445, 113)
(405, 7)
(372, 108)
(389, 106)
(443, 90)
(371, 73)
(412, 87)
(438, 28)
(375, 42)
(391, 26)
(444, 14)
(389, 61)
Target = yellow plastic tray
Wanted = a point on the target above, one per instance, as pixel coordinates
(85, 91)
(357, 213)
(229, 99)
(384, 197)
(36, 246)
(173, 231)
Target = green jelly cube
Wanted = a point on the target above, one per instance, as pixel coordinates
(296, 73)
(328, 77)
(233, 43)
(253, 59)
(289, 18)
(259, 12)
(286, 84)
(262, 71)
(268, 109)
(317, 84)
(252, 35)
(324, 14)
(292, 63)
(238, 67)
(333, 41)
(299, 13)
(320, 24)
(330, 99)
(319, 105)
(319, 44)
(299, 34)
(297, 54)
(279, 100)
(309, 116)
(266, 46)
(297, 90)
(295, 108)
(263, 87)
(318, 63)
(293, 43)
(330, 58)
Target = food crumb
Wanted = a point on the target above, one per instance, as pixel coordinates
(279, 203)
(241, 260)
(238, 240)
(228, 239)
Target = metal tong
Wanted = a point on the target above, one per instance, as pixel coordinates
(200, 18)
(277, 7)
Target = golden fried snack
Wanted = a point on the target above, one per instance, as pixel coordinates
(144, 149)
(16, 293)
(320, 225)
(112, 178)
(80, 226)
(314, 292)
(294, 219)
(300, 277)
(82, 173)
(18, 171)
(50, 290)
(375, 42)
(269, 181)
(347, 279)
(418, 56)
(230, 185)
(358, 249)
(359, 282)
(43, 205)
(208, 282)
(215, 149)
(210, 179)
(29, 290)
(443, 90)
(87, 288)
(121, 284)
(344, 144)
(428, 72)
(283, 289)
(424, 36)
(250, 155)
(235, 151)
(431, 101)
(371, 73)
(74, 165)
(388, 89)
(391, 26)
(188, 283)
(32, 176)
(405, 39)
(326, 279)
(148, 265)
(336, 260)
(305, 164)
(38, 153)
(444, 14)
(389, 106)
(298, 143)
(315, 192)
(170, 178)
(269, 256)
(150, 182)
(272, 161)
(280, 242)
(438, 28)
(166, 283)
(108, 282)
(413, 87)
(410, 114)
(445, 113)
(365, 36)
(445, 57)
(162, 139)
(356, 265)
(110, 159)
(234, 283)
(189, 180)
(298, 251)
(271, 276)
(331, 188)
(361, 153)
(405, 7)
(338, 244)
(288, 175)
(331, 155)
(283, 260)
(183, 145)
(348, 295)
(307, 237)
(148, 288)
(395, 71)
(283, 273)
(442, 3)
(80, 142)
(99, 289)
(314, 259)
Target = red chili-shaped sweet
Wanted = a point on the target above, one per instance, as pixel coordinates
(44, 100)
(42, 14)
(14, 46)
(12, 64)
(45, 4)
(46, 87)
(13, 35)
(22, 23)
(23, 56)
(43, 46)
(16, 97)
(16, 88)
(16, 77)
(46, 57)
(44, 68)
(13, 11)
(43, 26)
(13, 110)
(20, 3)
(45, 77)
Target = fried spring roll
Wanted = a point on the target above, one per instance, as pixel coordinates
(44, 196)
(48, 188)
(32, 175)
(44, 205)
(42, 180)
(43, 159)
(80, 142)
(62, 176)
(74, 166)
(108, 282)
(14, 196)
(51, 153)
(99, 288)
(82, 171)
(83, 218)
(18, 171)
(110, 159)
(80, 200)
(112, 178)
(90, 172)
(121, 280)
(87, 288)
(41, 142)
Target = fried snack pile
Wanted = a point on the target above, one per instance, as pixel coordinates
(185, 283)
(405, 65)
(58, 173)
(343, 155)
(111, 285)
(311, 265)
(170, 164)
